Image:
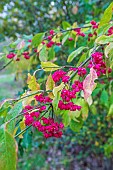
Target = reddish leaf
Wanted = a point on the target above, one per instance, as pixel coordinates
(89, 84)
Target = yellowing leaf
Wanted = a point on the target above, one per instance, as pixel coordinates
(15, 130)
(22, 127)
(89, 84)
(27, 100)
(58, 89)
(57, 93)
(49, 66)
(32, 84)
(108, 49)
(50, 84)
(104, 39)
(96, 143)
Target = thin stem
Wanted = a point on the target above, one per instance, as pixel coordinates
(6, 65)
(37, 71)
(71, 29)
(104, 78)
(63, 31)
(22, 131)
(39, 91)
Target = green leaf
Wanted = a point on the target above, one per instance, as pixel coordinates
(74, 114)
(75, 53)
(84, 110)
(37, 39)
(65, 38)
(66, 25)
(110, 112)
(11, 114)
(107, 15)
(104, 39)
(51, 54)
(96, 91)
(5, 107)
(82, 58)
(55, 104)
(76, 126)
(93, 109)
(49, 66)
(43, 54)
(8, 151)
(66, 118)
(111, 99)
(104, 97)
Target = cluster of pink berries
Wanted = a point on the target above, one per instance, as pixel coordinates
(98, 64)
(47, 126)
(68, 106)
(43, 99)
(110, 31)
(11, 55)
(91, 35)
(50, 43)
(67, 96)
(79, 33)
(94, 24)
(26, 55)
(77, 86)
(30, 117)
(80, 70)
(60, 75)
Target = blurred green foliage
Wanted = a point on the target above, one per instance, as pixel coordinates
(32, 16)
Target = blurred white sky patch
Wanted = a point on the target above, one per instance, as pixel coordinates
(52, 3)
(4, 13)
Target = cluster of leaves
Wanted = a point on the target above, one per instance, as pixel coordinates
(12, 121)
